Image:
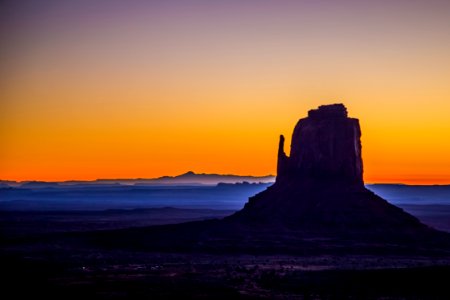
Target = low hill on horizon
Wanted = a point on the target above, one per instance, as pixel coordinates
(188, 178)
(191, 178)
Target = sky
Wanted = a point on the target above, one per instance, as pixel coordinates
(139, 89)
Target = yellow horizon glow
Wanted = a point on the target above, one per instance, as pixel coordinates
(164, 91)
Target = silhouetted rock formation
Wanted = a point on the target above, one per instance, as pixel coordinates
(320, 187)
(318, 204)
(325, 146)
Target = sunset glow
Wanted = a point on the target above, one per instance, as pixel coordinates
(129, 89)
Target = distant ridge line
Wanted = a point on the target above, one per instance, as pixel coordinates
(189, 177)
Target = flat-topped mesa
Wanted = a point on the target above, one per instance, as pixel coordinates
(329, 111)
(325, 147)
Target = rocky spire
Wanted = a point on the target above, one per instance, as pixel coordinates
(283, 160)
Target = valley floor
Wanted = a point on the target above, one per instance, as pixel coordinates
(36, 261)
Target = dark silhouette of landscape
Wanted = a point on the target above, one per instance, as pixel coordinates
(317, 232)
(318, 204)
(189, 178)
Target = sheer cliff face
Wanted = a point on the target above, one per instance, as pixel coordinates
(325, 146)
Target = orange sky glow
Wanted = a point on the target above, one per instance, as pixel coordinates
(163, 89)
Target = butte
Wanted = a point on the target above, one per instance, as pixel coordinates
(318, 204)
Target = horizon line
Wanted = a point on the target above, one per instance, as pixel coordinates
(396, 182)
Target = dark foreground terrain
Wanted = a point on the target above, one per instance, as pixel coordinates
(46, 254)
(97, 274)
(44, 250)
